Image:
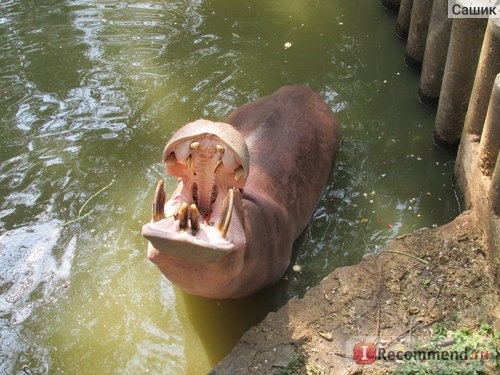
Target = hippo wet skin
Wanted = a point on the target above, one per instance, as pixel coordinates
(247, 189)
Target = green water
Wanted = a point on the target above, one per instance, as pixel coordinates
(90, 93)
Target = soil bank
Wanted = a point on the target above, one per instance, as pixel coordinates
(440, 275)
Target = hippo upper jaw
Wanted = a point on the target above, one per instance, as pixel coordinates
(196, 223)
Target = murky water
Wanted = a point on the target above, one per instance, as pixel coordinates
(91, 91)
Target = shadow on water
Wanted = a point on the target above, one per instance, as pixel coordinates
(220, 323)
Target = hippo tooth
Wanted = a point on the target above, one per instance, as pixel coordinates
(194, 145)
(220, 149)
(170, 160)
(159, 202)
(238, 173)
(183, 216)
(189, 161)
(195, 218)
(217, 166)
(227, 212)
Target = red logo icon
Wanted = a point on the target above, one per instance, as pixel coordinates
(365, 353)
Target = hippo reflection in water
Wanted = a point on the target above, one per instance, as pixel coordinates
(247, 189)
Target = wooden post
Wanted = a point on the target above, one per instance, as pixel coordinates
(495, 188)
(461, 62)
(417, 34)
(404, 17)
(490, 138)
(436, 48)
(487, 69)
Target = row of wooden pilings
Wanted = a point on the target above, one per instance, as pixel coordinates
(459, 62)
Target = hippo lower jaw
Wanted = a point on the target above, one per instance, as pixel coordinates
(211, 160)
(184, 233)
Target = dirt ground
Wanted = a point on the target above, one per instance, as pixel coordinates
(433, 282)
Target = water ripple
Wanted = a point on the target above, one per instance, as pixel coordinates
(31, 274)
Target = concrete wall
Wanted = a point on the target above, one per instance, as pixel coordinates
(467, 78)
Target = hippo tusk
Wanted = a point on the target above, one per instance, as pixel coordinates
(170, 159)
(183, 216)
(217, 166)
(227, 213)
(194, 218)
(159, 202)
(239, 172)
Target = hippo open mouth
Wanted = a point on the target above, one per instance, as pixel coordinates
(212, 163)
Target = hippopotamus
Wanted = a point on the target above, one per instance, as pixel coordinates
(247, 188)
